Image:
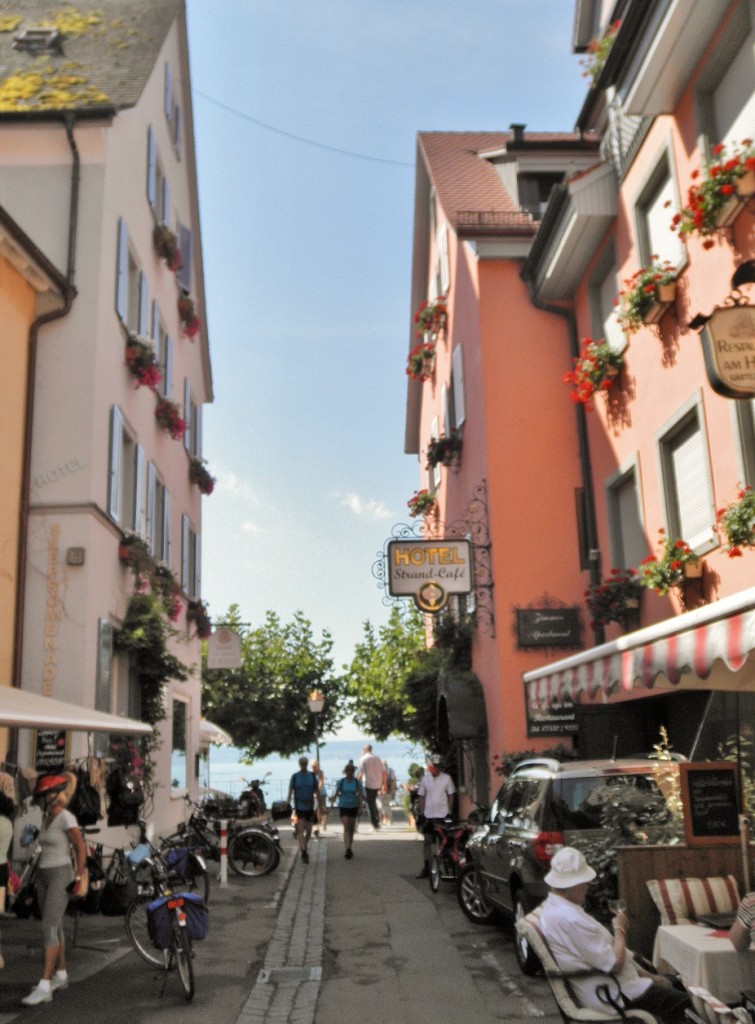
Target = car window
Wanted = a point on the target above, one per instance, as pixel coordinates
(496, 810)
(577, 803)
(516, 811)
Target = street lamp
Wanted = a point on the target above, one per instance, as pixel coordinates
(316, 704)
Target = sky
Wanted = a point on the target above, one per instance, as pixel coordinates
(306, 117)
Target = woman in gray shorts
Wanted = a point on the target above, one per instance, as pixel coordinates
(57, 880)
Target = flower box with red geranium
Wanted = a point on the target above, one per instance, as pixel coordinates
(134, 552)
(714, 198)
(675, 563)
(421, 503)
(421, 362)
(168, 416)
(616, 599)
(597, 53)
(187, 314)
(646, 295)
(165, 585)
(444, 450)
(200, 475)
(431, 317)
(736, 522)
(594, 371)
(142, 362)
(196, 612)
(166, 246)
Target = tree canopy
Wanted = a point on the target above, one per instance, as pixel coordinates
(263, 705)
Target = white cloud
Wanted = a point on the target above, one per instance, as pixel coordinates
(250, 527)
(237, 488)
(366, 508)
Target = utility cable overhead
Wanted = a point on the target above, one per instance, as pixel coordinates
(300, 138)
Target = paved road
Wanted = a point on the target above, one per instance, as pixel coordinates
(327, 942)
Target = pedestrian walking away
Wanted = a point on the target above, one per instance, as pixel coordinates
(371, 776)
(387, 794)
(434, 795)
(303, 793)
(321, 810)
(349, 793)
(57, 879)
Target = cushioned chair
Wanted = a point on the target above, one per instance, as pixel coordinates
(680, 900)
(568, 1005)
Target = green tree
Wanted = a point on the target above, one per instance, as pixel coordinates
(263, 705)
(382, 665)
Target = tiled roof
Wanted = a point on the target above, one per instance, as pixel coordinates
(109, 50)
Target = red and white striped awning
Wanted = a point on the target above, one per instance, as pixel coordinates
(704, 649)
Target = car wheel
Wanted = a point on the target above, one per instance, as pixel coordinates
(471, 898)
(525, 956)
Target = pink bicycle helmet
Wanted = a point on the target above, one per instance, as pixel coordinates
(50, 784)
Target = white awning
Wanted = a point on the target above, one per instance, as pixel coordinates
(703, 649)
(26, 710)
(211, 733)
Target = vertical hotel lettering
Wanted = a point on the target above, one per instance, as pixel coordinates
(52, 613)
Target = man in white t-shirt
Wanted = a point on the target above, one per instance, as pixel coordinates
(371, 775)
(434, 795)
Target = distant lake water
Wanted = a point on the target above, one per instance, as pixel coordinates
(225, 769)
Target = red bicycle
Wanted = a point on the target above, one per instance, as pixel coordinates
(449, 853)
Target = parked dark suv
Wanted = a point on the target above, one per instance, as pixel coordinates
(544, 804)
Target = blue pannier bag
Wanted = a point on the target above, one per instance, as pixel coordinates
(177, 859)
(197, 915)
(159, 922)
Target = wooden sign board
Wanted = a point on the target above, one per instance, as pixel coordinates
(710, 795)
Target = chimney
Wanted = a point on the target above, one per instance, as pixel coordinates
(518, 130)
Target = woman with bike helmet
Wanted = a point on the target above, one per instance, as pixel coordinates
(57, 879)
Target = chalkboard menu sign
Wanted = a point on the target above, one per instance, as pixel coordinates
(710, 794)
(548, 627)
(50, 753)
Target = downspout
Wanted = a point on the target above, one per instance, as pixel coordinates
(69, 294)
(591, 528)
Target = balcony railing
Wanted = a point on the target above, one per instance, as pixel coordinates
(493, 222)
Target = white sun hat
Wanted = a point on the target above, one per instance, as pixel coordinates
(568, 868)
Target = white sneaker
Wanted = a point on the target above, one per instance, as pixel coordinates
(37, 995)
(56, 983)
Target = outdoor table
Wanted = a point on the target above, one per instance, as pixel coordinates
(706, 958)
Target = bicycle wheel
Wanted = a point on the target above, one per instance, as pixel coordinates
(436, 869)
(138, 933)
(181, 953)
(252, 853)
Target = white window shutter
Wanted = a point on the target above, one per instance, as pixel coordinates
(693, 490)
(457, 363)
(155, 328)
(445, 410)
(198, 431)
(151, 167)
(443, 264)
(166, 201)
(165, 553)
(187, 415)
(196, 581)
(185, 245)
(149, 526)
(116, 450)
(143, 305)
(178, 130)
(168, 104)
(138, 488)
(185, 534)
(168, 382)
(121, 271)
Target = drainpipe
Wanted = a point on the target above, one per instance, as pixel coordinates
(69, 294)
(591, 528)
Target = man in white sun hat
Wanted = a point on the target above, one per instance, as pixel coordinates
(579, 942)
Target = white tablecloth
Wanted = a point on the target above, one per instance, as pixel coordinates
(706, 959)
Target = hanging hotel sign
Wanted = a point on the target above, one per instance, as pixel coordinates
(224, 649)
(728, 340)
(429, 571)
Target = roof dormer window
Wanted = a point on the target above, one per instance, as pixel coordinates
(39, 40)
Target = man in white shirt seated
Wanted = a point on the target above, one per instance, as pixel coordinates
(580, 943)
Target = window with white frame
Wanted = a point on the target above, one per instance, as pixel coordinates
(193, 420)
(189, 558)
(603, 289)
(456, 402)
(629, 543)
(158, 187)
(157, 527)
(179, 764)
(726, 87)
(125, 486)
(116, 684)
(186, 248)
(163, 344)
(685, 472)
(131, 290)
(654, 210)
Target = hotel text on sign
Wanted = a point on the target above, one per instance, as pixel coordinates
(429, 570)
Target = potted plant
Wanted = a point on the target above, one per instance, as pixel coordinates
(165, 585)
(166, 246)
(675, 563)
(421, 361)
(142, 362)
(594, 371)
(196, 612)
(421, 503)
(431, 317)
(200, 475)
(597, 53)
(646, 295)
(444, 450)
(714, 201)
(133, 551)
(736, 521)
(616, 599)
(168, 416)
(187, 314)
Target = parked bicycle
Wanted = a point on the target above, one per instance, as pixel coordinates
(449, 851)
(162, 924)
(253, 847)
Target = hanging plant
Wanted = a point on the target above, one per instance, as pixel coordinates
(168, 416)
(714, 198)
(165, 585)
(421, 361)
(594, 371)
(166, 246)
(142, 362)
(736, 522)
(197, 613)
(676, 562)
(646, 294)
(421, 503)
(444, 450)
(616, 599)
(133, 551)
(200, 475)
(597, 53)
(187, 314)
(431, 317)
